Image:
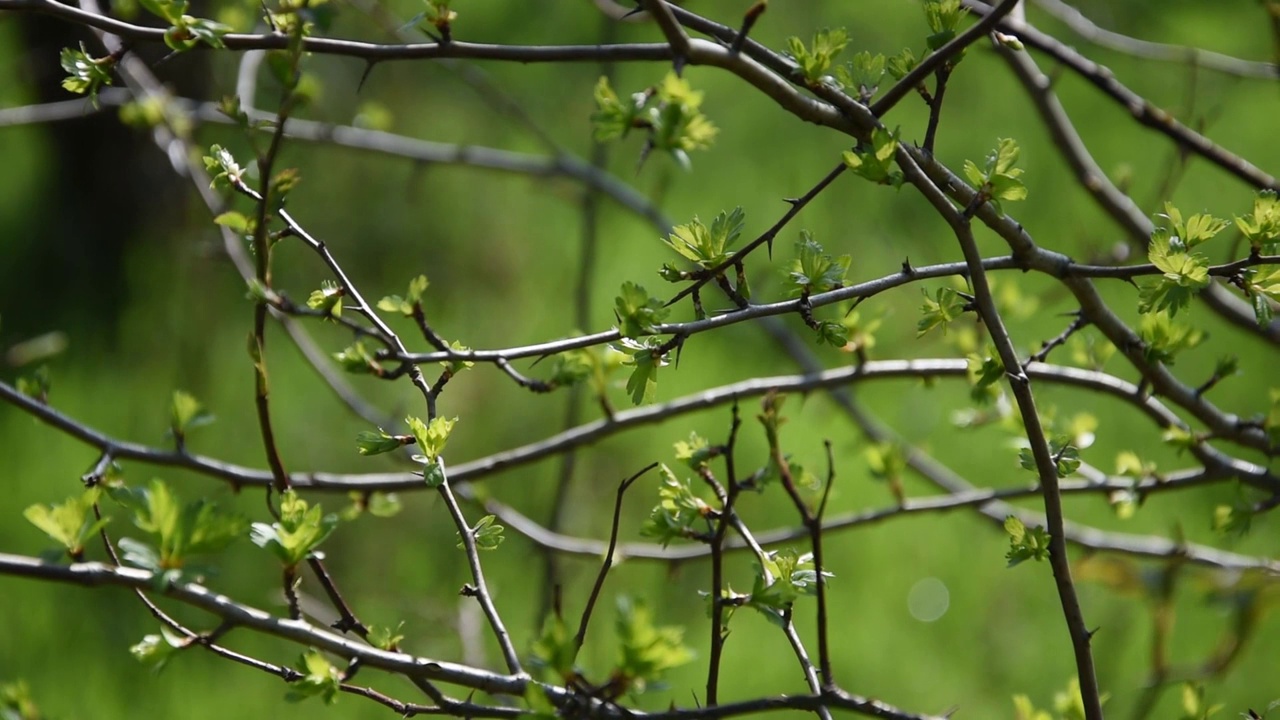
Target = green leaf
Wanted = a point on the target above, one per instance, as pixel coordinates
(185, 414)
(1194, 231)
(999, 179)
(876, 163)
(901, 64)
(863, 75)
(328, 299)
(813, 271)
(431, 437)
(155, 651)
(85, 73)
(222, 165)
(37, 384)
(1025, 543)
(1185, 274)
(645, 651)
(640, 355)
(696, 451)
(320, 678)
(376, 443)
(180, 530)
(1262, 226)
(405, 305)
(782, 578)
(940, 310)
(943, 17)
(1232, 520)
(708, 247)
(638, 314)
(453, 367)
(386, 638)
(299, 531)
(72, 523)
(1163, 339)
(487, 534)
(1066, 457)
(234, 221)
(555, 647)
(1194, 706)
(612, 118)
(816, 59)
(357, 359)
(679, 512)
(168, 10)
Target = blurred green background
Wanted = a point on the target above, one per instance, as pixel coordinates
(102, 242)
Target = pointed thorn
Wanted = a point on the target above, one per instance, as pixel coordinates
(368, 69)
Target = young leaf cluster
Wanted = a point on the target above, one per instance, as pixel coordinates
(816, 60)
(431, 438)
(782, 577)
(644, 359)
(185, 32)
(1025, 543)
(940, 310)
(998, 179)
(85, 73)
(1066, 457)
(178, 531)
(679, 512)
(487, 534)
(301, 529)
(71, 523)
(1185, 273)
(706, 246)
(645, 650)
(670, 112)
(876, 162)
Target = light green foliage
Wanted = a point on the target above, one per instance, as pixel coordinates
(876, 163)
(984, 374)
(1129, 464)
(487, 534)
(185, 414)
(887, 461)
(859, 331)
(1272, 421)
(998, 179)
(235, 222)
(185, 32)
(899, 65)
(155, 651)
(638, 313)
(222, 165)
(178, 531)
(696, 451)
(679, 512)
(301, 529)
(453, 367)
(1090, 351)
(1232, 520)
(1185, 273)
(16, 702)
(1263, 287)
(320, 678)
(356, 358)
(943, 17)
(1194, 705)
(1163, 339)
(1068, 704)
(1181, 438)
(555, 648)
(782, 577)
(71, 523)
(645, 651)
(862, 75)
(36, 384)
(1025, 543)
(439, 14)
(410, 303)
(386, 638)
(1262, 227)
(816, 59)
(327, 300)
(1066, 457)
(642, 357)
(813, 271)
(376, 443)
(431, 438)
(85, 73)
(708, 247)
(675, 122)
(940, 310)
